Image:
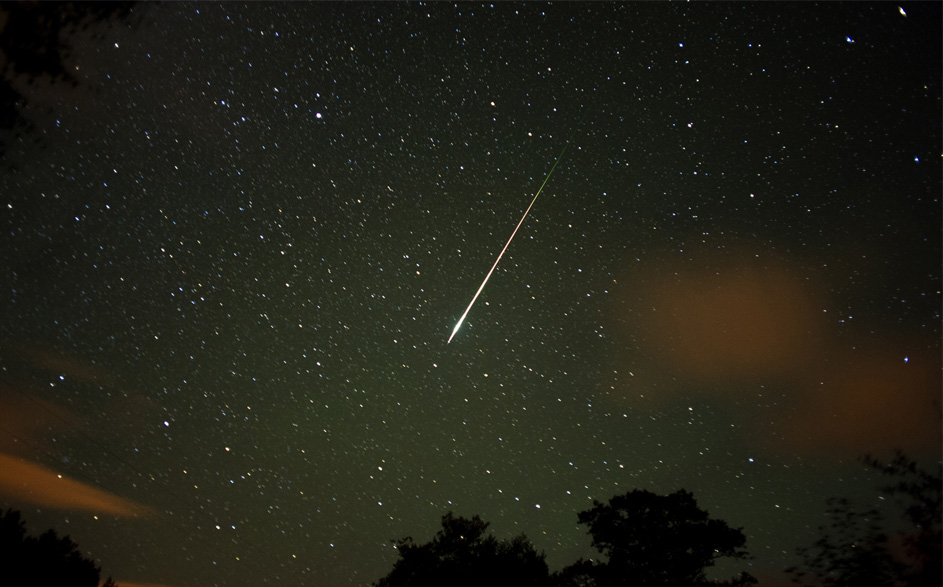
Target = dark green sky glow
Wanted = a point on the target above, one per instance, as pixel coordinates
(234, 252)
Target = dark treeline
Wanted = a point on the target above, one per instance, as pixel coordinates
(858, 547)
(649, 540)
(42, 560)
(646, 539)
(643, 540)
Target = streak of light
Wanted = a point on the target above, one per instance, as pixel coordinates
(516, 228)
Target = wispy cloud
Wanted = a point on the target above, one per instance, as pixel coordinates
(38, 485)
(61, 363)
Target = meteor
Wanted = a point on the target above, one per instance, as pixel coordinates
(501, 254)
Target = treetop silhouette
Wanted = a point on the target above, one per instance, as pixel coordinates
(855, 545)
(461, 554)
(648, 539)
(652, 539)
(44, 560)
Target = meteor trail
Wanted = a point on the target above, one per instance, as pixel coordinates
(501, 254)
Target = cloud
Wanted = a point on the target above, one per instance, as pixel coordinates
(756, 335)
(25, 417)
(38, 485)
(731, 324)
(870, 400)
(62, 364)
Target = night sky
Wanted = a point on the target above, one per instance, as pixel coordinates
(234, 251)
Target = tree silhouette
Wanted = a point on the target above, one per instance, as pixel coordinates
(462, 555)
(922, 492)
(34, 46)
(652, 540)
(44, 560)
(649, 540)
(851, 550)
(855, 548)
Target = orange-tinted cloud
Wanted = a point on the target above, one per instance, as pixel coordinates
(23, 416)
(28, 417)
(38, 485)
(756, 334)
(870, 401)
(63, 364)
(736, 323)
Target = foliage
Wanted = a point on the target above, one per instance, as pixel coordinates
(461, 554)
(852, 550)
(34, 46)
(44, 560)
(651, 540)
(855, 547)
(922, 494)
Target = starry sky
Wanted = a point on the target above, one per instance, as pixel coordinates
(234, 251)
